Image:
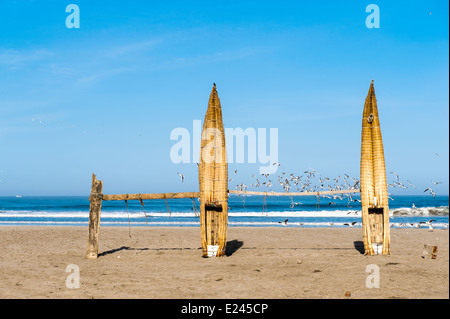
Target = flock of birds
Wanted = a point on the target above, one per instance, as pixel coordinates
(312, 181)
(428, 224)
(306, 183)
(302, 183)
(397, 183)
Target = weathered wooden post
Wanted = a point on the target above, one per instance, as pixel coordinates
(374, 195)
(94, 217)
(213, 181)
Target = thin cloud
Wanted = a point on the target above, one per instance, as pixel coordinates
(214, 57)
(15, 59)
(131, 48)
(102, 74)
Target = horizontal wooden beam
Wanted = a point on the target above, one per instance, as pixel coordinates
(343, 191)
(197, 194)
(151, 196)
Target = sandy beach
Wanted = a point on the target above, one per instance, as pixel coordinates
(165, 262)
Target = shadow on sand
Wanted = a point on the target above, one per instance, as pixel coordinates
(112, 251)
(359, 246)
(233, 246)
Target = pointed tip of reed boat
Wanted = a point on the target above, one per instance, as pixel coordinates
(371, 89)
(214, 97)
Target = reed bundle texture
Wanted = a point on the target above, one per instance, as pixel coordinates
(374, 195)
(213, 181)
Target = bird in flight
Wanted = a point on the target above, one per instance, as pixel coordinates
(278, 164)
(350, 224)
(411, 184)
(284, 223)
(181, 176)
(431, 192)
(428, 223)
(396, 175)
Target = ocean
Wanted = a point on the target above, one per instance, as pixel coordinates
(248, 211)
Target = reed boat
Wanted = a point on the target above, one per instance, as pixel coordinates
(373, 183)
(213, 181)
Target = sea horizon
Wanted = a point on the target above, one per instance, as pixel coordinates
(410, 211)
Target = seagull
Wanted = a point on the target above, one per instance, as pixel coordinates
(428, 223)
(235, 172)
(294, 203)
(284, 223)
(411, 184)
(351, 224)
(181, 176)
(435, 183)
(276, 164)
(431, 192)
(355, 185)
(399, 184)
(396, 175)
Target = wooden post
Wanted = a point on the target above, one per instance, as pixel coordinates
(429, 251)
(94, 217)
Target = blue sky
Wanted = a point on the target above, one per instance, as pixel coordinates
(104, 98)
